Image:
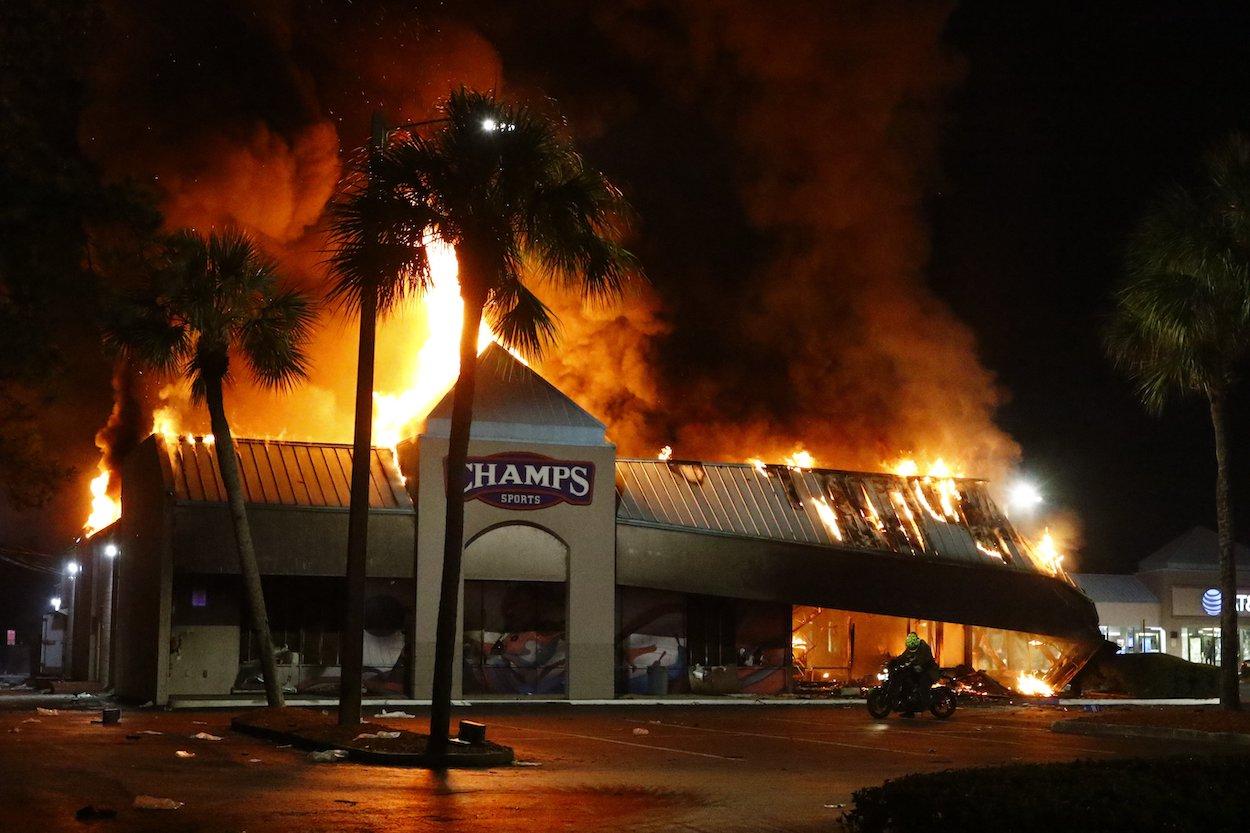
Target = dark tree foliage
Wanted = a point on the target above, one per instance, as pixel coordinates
(64, 233)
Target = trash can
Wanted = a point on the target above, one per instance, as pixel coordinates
(657, 680)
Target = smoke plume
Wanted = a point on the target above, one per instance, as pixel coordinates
(779, 157)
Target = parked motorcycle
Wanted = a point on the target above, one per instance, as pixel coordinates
(883, 698)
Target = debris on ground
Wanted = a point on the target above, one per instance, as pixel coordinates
(199, 723)
(346, 801)
(93, 813)
(642, 731)
(150, 732)
(395, 715)
(253, 760)
(376, 735)
(834, 806)
(204, 736)
(32, 720)
(151, 802)
(526, 763)
(182, 753)
(327, 756)
(42, 710)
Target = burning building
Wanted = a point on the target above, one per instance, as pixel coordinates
(586, 575)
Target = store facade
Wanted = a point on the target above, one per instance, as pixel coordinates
(1172, 603)
(586, 576)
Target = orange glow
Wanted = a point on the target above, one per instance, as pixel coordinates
(1034, 686)
(1047, 553)
(801, 459)
(828, 517)
(438, 357)
(104, 510)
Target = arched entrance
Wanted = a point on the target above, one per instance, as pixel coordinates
(515, 633)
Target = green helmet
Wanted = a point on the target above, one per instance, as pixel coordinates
(912, 641)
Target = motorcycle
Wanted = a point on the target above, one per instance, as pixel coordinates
(939, 698)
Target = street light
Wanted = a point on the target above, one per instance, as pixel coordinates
(111, 550)
(72, 568)
(56, 602)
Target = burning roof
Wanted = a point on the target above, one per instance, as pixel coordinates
(946, 519)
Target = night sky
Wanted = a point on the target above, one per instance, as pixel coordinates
(1024, 140)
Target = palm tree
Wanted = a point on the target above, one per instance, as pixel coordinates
(213, 299)
(1182, 325)
(505, 187)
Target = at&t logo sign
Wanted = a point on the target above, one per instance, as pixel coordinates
(1213, 599)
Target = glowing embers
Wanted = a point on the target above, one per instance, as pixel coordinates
(1033, 686)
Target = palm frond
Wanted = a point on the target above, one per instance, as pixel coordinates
(521, 320)
(275, 338)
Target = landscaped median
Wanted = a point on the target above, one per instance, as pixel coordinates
(1200, 724)
(1179, 793)
(370, 743)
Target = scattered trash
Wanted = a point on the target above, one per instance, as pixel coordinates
(395, 715)
(32, 720)
(182, 753)
(198, 723)
(151, 802)
(642, 731)
(346, 801)
(526, 763)
(205, 736)
(110, 716)
(253, 760)
(92, 813)
(283, 746)
(834, 806)
(42, 710)
(328, 756)
(375, 735)
(150, 732)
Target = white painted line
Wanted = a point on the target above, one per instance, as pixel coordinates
(618, 742)
(1175, 701)
(790, 739)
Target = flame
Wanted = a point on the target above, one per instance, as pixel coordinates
(438, 359)
(828, 517)
(666, 453)
(104, 509)
(759, 464)
(1048, 555)
(800, 459)
(1034, 686)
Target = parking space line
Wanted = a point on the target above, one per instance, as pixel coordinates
(789, 739)
(620, 742)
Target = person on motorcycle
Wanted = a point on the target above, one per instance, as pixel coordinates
(911, 670)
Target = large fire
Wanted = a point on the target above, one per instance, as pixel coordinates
(395, 411)
(1032, 685)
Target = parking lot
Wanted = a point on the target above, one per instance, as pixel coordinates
(769, 767)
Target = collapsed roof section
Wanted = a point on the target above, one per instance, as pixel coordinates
(942, 519)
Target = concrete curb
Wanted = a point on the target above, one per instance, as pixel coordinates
(495, 755)
(1116, 730)
(332, 702)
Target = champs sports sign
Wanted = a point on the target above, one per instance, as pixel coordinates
(518, 480)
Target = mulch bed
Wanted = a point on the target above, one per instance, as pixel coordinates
(1212, 719)
(311, 729)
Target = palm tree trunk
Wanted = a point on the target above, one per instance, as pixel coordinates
(352, 657)
(1230, 643)
(228, 462)
(453, 543)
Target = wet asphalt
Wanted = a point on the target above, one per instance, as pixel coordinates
(637, 768)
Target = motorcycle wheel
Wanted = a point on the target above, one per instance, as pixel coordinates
(942, 703)
(878, 704)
